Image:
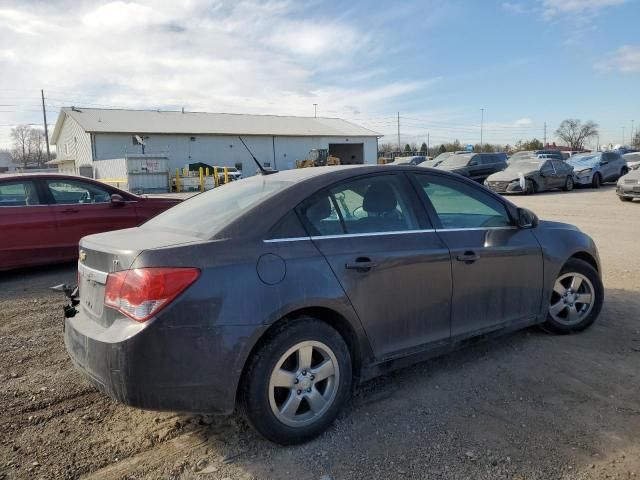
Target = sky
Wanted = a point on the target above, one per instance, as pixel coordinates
(435, 63)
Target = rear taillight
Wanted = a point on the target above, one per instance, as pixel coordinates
(142, 292)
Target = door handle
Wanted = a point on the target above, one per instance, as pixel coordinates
(468, 257)
(70, 210)
(361, 264)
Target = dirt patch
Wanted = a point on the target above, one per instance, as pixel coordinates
(526, 406)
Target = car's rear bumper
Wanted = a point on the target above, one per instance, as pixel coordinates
(177, 369)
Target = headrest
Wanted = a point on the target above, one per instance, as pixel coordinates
(318, 210)
(379, 199)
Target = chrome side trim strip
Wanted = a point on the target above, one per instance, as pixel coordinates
(377, 234)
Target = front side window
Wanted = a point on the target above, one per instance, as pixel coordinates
(17, 194)
(367, 205)
(72, 192)
(460, 206)
(547, 167)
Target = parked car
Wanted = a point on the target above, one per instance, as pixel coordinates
(440, 158)
(532, 176)
(526, 154)
(593, 169)
(280, 291)
(633, 160)
(412, 160)
(628, 186)
(44, 215)
(477, 166)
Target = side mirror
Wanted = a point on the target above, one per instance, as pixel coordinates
(473, 163)
(117, 200)
(527, 219)
(604, 162)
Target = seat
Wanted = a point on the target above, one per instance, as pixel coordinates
(381, 204)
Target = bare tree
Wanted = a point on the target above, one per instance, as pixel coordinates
(575, 133)
(21, 143)
(37, 146)
(635, 142)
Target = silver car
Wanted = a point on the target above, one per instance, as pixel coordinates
(593, 169)
(633, 160)
(628, 186)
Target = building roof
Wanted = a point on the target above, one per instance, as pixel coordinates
(98, 120)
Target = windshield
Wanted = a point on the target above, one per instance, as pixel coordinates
(443, 156)
(584, 159)
(456, 161)
(205, 214)
(520, 156)
(526, 165)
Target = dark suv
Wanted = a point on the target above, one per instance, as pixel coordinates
(477, 166)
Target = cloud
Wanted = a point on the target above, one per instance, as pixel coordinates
(513, 7)
(523, 121)
(552, 8)
(625, 59)
(249, 56)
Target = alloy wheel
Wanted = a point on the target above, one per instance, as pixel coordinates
(572, 299)
(303, 383)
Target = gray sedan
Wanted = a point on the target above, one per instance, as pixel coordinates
(532, 175)
(280, 292)
(628, 187)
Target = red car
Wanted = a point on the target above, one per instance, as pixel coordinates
(44, 215)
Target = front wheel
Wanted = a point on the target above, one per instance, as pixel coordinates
(568, 184)
(625, 199)
(596, 181)
(297, 382)
(576, 299)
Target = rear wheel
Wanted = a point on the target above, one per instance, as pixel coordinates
(625, 199)
(297, 382)
(568, 184)
(529, 188)
(576, 299)
(597, 181)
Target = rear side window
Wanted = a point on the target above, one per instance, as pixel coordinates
(288, 227)
(16, 194)
(462, 206)
(374, 204)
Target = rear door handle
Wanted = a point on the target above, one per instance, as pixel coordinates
(468, 257)
(70, 210)
(361, 264)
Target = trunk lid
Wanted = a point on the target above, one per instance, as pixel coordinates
(108, 252)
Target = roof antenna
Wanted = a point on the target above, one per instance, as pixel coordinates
(263, 171)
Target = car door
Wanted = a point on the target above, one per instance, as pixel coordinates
(82, 208)
(496, 266)
(26, 225)
(394, 268)
(548, 174)
(608, 167)
(477, 167)
(562, 172)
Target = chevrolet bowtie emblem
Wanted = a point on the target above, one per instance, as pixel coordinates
(83, 255)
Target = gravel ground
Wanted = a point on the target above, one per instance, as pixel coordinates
(526, 406)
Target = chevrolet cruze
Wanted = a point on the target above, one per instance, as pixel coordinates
(278, 293)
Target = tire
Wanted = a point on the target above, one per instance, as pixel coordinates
(623, 172)
(625, 199)
(576, 299)
(568, 184)
(264, 403)
(529, 188)
(596, 181)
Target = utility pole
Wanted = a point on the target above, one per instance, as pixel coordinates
(481, 126)
(315, 110)
(399, 146)
(427, 144)
(632, 136)
(544, 145)
(623, 136)
(46, 128)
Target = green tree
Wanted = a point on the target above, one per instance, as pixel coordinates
(636, 140)
(407, 148)
(423, 148)
(441, 149)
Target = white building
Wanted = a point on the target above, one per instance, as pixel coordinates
(83, 136)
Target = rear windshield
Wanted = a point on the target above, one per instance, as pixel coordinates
(205, 214)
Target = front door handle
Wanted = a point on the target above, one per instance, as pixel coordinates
(468, 257)
(361, 264)
(70, 210)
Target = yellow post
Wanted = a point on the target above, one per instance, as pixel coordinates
(201, 172)
(185, 172)
(206, 174)
(216, 179)
(226, 174)
(177, 180)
